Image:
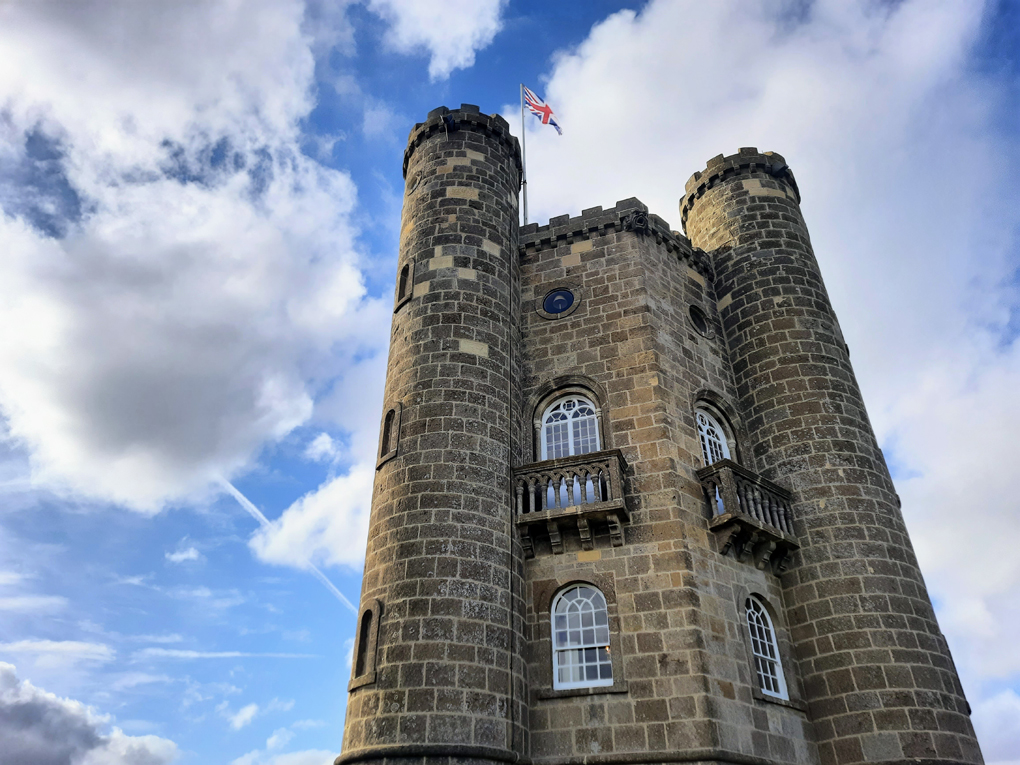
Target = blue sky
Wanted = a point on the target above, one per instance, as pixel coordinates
(200, 214)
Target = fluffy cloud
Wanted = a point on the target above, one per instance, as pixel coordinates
(182, 278)
(39, 728)
(328, 525)
(181, 556)
(450, 32)
(909, 191)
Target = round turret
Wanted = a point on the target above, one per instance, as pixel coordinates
(878, 675)
(435, 672)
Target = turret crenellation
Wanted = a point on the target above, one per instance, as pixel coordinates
(468, 117)
(747, 160)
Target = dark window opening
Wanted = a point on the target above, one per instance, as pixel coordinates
(402, 283)
(364, 638)
(387, 433)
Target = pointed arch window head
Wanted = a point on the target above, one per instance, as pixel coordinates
(570, 426)
(580, 637)
(765, 650)
(714, 444)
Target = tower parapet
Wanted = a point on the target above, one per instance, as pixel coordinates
(878, 675)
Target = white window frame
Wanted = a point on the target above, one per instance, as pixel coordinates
(768, 664)
(570, 649)
(573, 422)
(703, 436)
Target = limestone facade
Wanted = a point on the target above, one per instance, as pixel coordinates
(475, 533)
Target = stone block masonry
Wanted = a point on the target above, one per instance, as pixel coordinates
(879, 679)
(440, 548)
(456, 655)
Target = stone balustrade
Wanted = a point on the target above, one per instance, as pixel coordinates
(558, 494)
(750, 514)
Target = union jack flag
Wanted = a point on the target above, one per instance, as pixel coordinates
(540, 109)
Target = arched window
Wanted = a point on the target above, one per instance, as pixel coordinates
(714, 446)
(765, 649)
(580, 639)
(569, 426)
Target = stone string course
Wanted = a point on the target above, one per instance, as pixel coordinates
(464, 664)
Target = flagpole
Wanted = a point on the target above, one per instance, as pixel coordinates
(524, 159)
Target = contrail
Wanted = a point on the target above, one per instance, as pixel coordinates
(255, 513)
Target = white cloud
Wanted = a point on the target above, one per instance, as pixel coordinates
(204, 279)
(321, 449)
(58, 653)
(328, 525)
(169, 638)
(180, 653)
(280, 738)
(866, 101)
(10, 577)
(33, 603)
(243, 716)
(39, 727)
(180, 556)
(129, 680)
(451, 32)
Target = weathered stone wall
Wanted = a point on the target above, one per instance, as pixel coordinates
(879, 679)
(441, 548)
(683, 679)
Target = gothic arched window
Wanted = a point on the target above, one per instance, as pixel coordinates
(714, 444)
(765, 649)
(580, 638)
(570, 426)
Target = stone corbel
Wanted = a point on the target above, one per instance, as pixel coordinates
(747, 547)
(615, 529)
(585, 531)
(555, 538)
(763, 553)
(781, 562)
(728, 538)
(527, 543)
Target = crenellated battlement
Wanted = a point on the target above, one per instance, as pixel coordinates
(628, 215)
(443, 120)
(746, 161)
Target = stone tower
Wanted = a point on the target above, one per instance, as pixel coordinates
(629, 507)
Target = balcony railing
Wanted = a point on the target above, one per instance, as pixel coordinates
(751, 514)
(556, 494)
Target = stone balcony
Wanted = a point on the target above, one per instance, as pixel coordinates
(558, 496)
(750, 515)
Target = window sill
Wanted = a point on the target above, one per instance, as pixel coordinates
(386, 458)
(598, 690)
(800, 706)
(366, 679)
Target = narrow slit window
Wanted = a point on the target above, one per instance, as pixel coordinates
(366, 645)
(403, 282)
(387, 433)
(364, 638)
(580, 637)
(765, 649)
